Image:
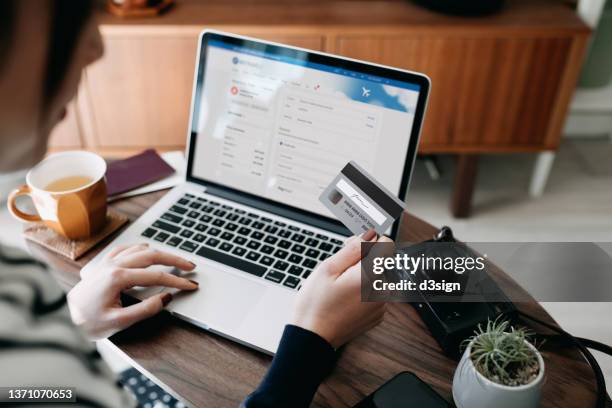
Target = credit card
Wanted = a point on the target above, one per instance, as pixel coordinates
(360, 202)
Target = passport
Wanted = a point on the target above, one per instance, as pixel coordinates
(360, 202)
(136, 171)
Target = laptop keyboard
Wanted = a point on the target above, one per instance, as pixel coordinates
(273, 250)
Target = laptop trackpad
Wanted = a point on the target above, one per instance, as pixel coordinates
(222, 301)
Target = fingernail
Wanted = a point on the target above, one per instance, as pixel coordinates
(167, 298)
(194, 282)
(192, 264)
(368, 235)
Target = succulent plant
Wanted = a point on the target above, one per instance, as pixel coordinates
(500, 353)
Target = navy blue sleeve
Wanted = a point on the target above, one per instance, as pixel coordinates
(301, 363)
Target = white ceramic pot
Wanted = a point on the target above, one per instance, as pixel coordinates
(472, 390)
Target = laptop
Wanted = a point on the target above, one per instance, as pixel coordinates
(270, 127)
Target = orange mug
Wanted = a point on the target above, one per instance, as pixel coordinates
(69, 193)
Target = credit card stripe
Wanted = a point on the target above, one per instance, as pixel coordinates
(362, 202)
(381, 197)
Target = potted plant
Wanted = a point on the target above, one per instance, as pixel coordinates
(499, 368)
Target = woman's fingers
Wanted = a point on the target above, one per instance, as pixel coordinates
(149, 307)
(143, 259)
(123, 249)
(133, 249)
(142, 277)
(349, 255)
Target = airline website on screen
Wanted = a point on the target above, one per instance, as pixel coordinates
(282, 128)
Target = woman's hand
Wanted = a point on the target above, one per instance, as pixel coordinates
(95, 302)
(329, 302)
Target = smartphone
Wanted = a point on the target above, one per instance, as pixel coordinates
(405, 390)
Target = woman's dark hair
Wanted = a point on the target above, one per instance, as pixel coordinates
(68, 18)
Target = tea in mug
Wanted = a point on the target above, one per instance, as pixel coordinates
(68, 183)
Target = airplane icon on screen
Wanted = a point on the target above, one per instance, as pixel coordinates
(365, 91)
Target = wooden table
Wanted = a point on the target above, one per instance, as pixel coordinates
(210, 371)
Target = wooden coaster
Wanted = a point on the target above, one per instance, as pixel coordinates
(41, 234)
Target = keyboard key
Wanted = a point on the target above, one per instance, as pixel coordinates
(199, 238)
(202, 199)
(214, 203)
(239, 211)
(188, 223)
(266, 260)
(188, 246)
(296, 270)
(195, 205)
(335, 241)
(253, 244)
(166, 227)
(257, 235)
(293, 228)
(201, 227)
(220, 213)
(306, 232)
(321, 236)
(244, 231)
(275, 276)
(240, 240)
(283, 243)
(297, 237)
(149, 232)
(313, 253)
(306, 274)
(193, 214)
(205, 218)
(172, 217)
(253, 215)
(208, 209)
(266, 219)
(253, 256)
(258, 225)
(226, 246)
(298, 248)
(270, 240)
(227, 236)
(279, 223)
(284, 233)
(311, 242)
(214, 231)
(325, 246)
(231, 227)
(186, 233)
(227, 207)
(323, 256)
(239, 251)
(294, 258)
(162, 236)
(232, 217)
(244, 221)
(291, 282)
(281, 254)
(271, 229)
(281, 265)
(178, 209)
(309, 263)
(336, 249)
(187, 195)
(174, 241)
(213, 242)
(218, 222)
(183, 201)
(267, 249)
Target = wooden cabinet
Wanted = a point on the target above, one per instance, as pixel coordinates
(500, 84)
(488, 94)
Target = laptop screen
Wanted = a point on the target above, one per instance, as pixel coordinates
(281, 123)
